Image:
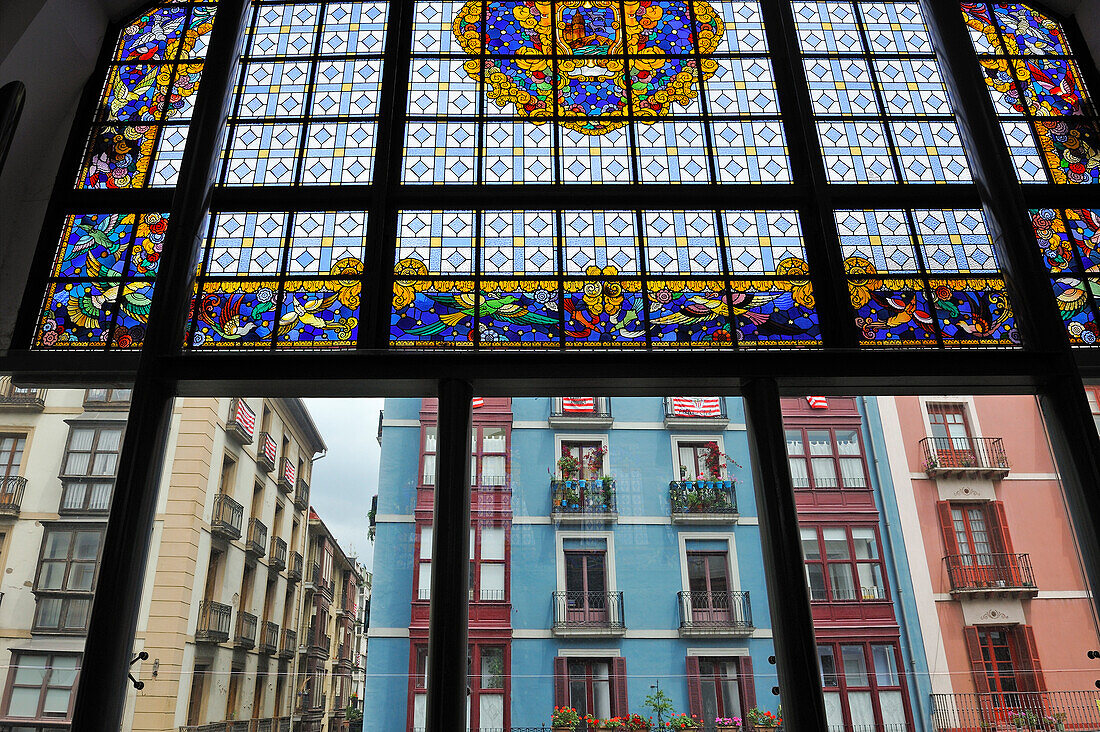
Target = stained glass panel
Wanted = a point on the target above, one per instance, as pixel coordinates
(1030, 71)
(1068, 240)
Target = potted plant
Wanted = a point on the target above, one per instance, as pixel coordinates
(726, 724)
(568, 465)
(682, 721)
(594, 460)
(638, 722)
(715, 459)
(564, 718)
(616, 723)
(761, 718)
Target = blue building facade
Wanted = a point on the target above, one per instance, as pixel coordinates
(616, 551)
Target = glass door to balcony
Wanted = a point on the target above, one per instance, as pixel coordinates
(951, 435)
(708, 581)
(586, 587)
(1000, 671)
(590, 688)
(718, 687)
(975, 545)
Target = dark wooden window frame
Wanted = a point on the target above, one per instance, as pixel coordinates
(851, 561)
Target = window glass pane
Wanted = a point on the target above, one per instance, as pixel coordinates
(828, 665)
(824, 473)
(109, 440)
(51, 575)
(57, 545)
(847, 442)
(864, 541)
(810, 547)
(821, 442)
(429, 470)
(48, 612)
(836, 543)
(794, 442)
(24, 702)
(492, 542)
(81, 439)
(493, 470)
(86, 545)
(429, 439)
(426, 542)
(81, 576)
(492, 668)
(886, 670)
(851, 473)
(56, 701)
(493, 439)
(800, 478)
(855, 665)
(840, 578)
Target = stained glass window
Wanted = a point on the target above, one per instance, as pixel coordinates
(924, 278)
(879, 103)
(1038, 92)
(601, 279)
(1068, 239)
(591, 92)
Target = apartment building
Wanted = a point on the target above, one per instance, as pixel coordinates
(362, 623)
(327, 658)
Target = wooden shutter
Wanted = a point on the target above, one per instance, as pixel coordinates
(1028, 670)
(977, 665)
(947, 526)
(748, 684)
(561, 682)
(998, 525)
(619, 706)
(695, 691)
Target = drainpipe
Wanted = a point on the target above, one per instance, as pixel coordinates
(920, 713)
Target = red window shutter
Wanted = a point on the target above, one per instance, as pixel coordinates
(695, 691)
(977, 665)
(997, 519)
(947, 526)
(619, 706)
(561, 682)
(1027, 656)
(748, 684)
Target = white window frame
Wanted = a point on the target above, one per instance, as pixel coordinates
(582, 437)
(559, 555)
(683, 537)
(699, 437)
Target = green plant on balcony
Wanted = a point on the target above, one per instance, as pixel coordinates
(564, 718)
(354, 714)
(762, 718)
(715, 460)
(682, 721)
(568, 465)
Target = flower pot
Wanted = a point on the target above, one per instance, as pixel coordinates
(727, 484)
(700, 484)
(568, 484)
(727, 729)
(582, 483)
(562, 729)
(710, 485)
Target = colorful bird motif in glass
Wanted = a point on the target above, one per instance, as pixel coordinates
(1070, 243)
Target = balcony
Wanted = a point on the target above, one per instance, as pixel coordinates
(245, 636)
(695, 413)
(997, 575)
(290, 644)
(269, 638)
(241, 425)
(267, 454)
(14, 397)
(277, 559)
(256, 545)
(227, 517)
(266, 724)
(286, 476)
(213, 626)
(319, 643)
(583, 501)
(714, 614)
(86, 496)
(301, 496)
(11, 495)
(702, 502)
(588, 614)
(964, 456)
(294, 573)
(1019, 710)
(583, 412)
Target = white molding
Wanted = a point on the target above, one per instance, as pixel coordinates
(394, 518)
(731, 555)
(531, 633)
(645, 520)
(674, 446)
(588, 652)
(560, 437)
(523, 424)
(748, 521)
(1010, 476)
(395, 422)
(967, 401)
(1063, 595)
(559, 554)
(376, 632)
(530, 520)
(717, 652)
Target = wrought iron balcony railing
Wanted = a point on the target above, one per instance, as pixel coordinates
(294, 573)
(301, 495)
(698, 501)
(583, 500)
(269, 638)
(580, 412)
(213, 625)
(699, 412)
(245, 637)
(257, 537)
(286, 476)
(11, 494)
(241, 425)
(588, 613)
(227, 517)
(319, 643)
(1037, 711)
(715, 613)
(267, 453)
(290, 644)
(964, 455)
(990, 573)
(277, 559)
(267, 724)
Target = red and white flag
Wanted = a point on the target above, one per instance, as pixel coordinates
(818, 402)
(289, 470)
(244, 417)
(478, 403)
(696, 406)
(578, 404)
(270, 449)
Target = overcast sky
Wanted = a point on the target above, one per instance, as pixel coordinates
(345, 479)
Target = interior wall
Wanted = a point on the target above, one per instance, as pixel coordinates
(52, 46)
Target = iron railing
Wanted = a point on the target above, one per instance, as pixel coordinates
(245, 636)
(241, 417)
(213, 626)
(227, 517)
(267, 724)
(267, 452)
(582, 497)
(319, 643)
(671, 412)
(290, 644)
(269, 638)
(294, 573)
(715, 611)
(286, 482)
(989, 572)
(11, 494)
(601, 409)
(579, 609)
(257, 537)
(301, 495)
(1038, 711)
(687, 497)
(277, 558)
(952, 454)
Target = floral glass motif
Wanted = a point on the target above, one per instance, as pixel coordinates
(1068, 240)
(552, 279)
(1038, 92)
(306, 106)
(925, 278)
(141, 125)
(280, 280)
(597, 91)
(880, 104)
